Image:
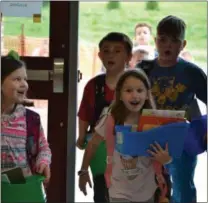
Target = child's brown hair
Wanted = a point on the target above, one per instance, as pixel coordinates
(118, 109)
(118, 37)
(172, 26)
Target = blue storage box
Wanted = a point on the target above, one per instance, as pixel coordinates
(137, 143)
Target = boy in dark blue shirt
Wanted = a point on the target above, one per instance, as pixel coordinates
(175, 84)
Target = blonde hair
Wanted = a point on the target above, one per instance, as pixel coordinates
(143, 25)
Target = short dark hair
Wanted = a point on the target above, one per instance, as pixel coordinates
(118, 37)
(143, 25)
(172, 26)
(9, 65)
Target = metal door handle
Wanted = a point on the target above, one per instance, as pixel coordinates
(79, 75)
(55, 75)
(58, 75)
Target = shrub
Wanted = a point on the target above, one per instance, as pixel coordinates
(113, 5)
(152, 5)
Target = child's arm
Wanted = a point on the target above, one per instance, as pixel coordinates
(44, 152)
(84, 116)
(200, 84)
(92, 146)
(83, 126)
(90, 150)
(88, 155)
(43, 160)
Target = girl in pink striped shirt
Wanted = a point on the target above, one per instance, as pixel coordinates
(14, 135)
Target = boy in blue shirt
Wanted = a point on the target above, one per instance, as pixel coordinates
(175, 84)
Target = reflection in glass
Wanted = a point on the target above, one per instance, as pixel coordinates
(25, 36)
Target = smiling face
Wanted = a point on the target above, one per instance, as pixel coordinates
(133, 94)
(114, 56)
(14, 87)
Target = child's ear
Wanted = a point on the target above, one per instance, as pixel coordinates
(184, 44)
(129, 57)
(100, 55)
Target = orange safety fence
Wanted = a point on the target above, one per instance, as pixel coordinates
(88, 61)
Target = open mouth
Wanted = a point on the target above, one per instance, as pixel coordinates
(111, 63)
(22, 93)
(134, 103)
(167, 53)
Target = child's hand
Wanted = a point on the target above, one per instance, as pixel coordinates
(83, 180)
(44, 169)
(159, 154)
(80, 143)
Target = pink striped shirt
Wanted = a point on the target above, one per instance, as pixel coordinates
(13, 142)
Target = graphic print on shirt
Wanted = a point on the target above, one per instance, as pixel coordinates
(166, 90)
(134, 166)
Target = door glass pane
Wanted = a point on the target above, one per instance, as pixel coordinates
(200, 177)
(41, 107)
(95, 21)
(25, 36)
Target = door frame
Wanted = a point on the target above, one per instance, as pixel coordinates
(64, 168)
(72, 101)
(62, 107)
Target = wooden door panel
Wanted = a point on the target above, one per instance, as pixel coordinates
(59, 47)
(57, 127)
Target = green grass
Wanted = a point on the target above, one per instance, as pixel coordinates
(95, 21)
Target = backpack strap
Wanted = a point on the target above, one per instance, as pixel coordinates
(33, 133)
(100, 85)
(161, 182)
(100, 101)
(110, 145)
(146, 65)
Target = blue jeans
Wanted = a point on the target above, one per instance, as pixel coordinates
(182, 172)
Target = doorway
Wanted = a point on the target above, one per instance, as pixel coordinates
(49, 49)
(98, 18)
